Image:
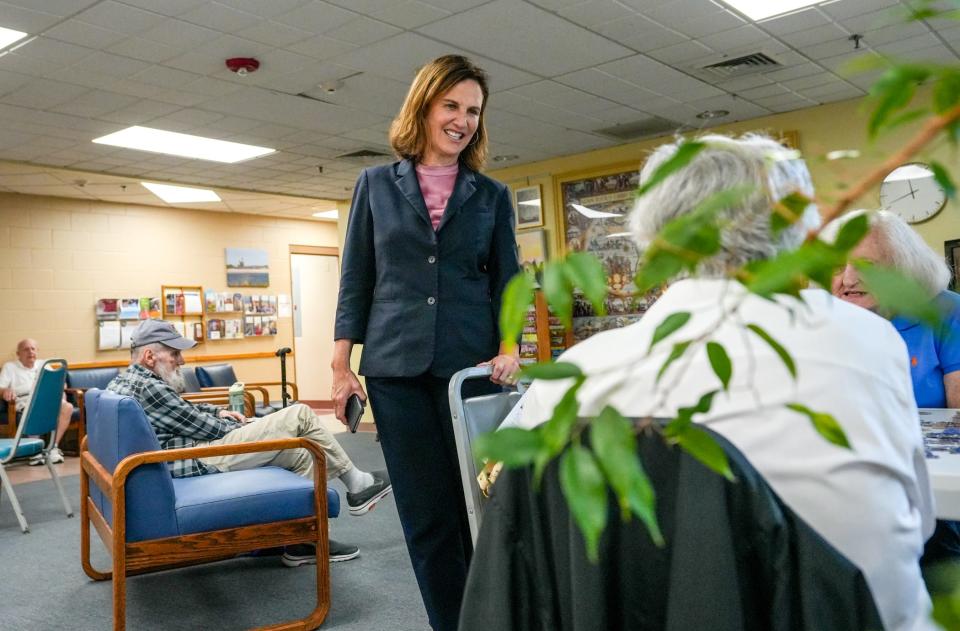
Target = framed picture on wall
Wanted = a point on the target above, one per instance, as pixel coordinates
(533, 247)
(529, 205)
(594, 207)
(951, 250)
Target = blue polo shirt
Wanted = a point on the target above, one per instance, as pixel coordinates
(933, 352)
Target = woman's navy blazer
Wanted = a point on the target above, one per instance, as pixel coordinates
(418, 299)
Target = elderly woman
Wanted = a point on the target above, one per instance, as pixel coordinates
(428, 252)
(934, 352)
(873, 502)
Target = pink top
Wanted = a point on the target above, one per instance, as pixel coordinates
(436, 185)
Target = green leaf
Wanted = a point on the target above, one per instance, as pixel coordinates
(943, 179)
(893, 92)
(698, 236)
(685, 415)
(585, 271)
(852, 232)
(558, 292)
(946, 92)
(672, 322)
(512, 446)
(582, 484)
(825, 424)
(703, 447)
(904, 118)
(897, 293)
(788, 272)
(685, 153)
(787, 211)
(556, 431)
(675, 353)
(552, 370)
(778, 348)
(658, 267)
(720, 362)
(517, 298)
(616, 450)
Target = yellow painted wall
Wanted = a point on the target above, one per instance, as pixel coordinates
(835, 126)
(58, 256)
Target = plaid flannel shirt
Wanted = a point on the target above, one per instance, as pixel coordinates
(177, 422)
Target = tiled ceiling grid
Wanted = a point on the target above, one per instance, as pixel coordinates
(334, 73)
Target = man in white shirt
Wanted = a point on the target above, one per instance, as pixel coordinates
(872, 502)
(17, 380)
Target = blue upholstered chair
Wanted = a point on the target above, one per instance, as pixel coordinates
(149, 520)
(39, 420)
(79, 380)
(222, 375)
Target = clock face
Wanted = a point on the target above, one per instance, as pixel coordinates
(912, 192)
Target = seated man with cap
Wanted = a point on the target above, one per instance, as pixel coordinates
(154, 379)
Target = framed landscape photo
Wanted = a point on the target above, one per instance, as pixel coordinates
(529, 205)
(533, 247)
(951, 250)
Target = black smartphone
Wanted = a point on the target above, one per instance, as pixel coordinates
(354, 412)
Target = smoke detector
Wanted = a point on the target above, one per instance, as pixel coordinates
(242, 65)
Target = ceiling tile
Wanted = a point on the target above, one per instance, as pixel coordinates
(220, 17)
(410, 14)
(321, 47)
(120, 17)
(793, 22)
(54, 51)
(82, 34)
(362, 31)
(42, 94)
(549, 45)
(60, 8)
(640, 34)
(180, 34)
(274, 33)
(319, 16)
(26, 20)
(144, 49)
(681, 54)
(166, 7)
(94, 104)
(591, 13)
(264, 9)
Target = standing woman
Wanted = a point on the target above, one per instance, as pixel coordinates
(429, 250)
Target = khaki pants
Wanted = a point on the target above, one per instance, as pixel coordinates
(295, 421)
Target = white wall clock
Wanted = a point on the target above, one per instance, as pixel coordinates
(912, 192)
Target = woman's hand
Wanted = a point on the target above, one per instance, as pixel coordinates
(345, 383)
(505, 369)
(230, 414)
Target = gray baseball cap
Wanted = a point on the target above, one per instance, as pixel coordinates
(152, 331)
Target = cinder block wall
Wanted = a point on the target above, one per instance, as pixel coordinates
(58, 256)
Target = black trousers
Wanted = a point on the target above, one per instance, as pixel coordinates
(413, 419)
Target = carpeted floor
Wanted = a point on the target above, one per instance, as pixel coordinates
(43, 587)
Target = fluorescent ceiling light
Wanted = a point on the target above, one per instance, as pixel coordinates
(9, 36)
(590, 213)
(327, 214)
(186, 145)
(181, 194)
(761, 9)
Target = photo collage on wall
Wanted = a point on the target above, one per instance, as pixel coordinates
(595, 220)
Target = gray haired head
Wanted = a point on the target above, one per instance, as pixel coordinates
(902, 248)
(753, 161)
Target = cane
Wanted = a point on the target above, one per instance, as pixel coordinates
(282, 354)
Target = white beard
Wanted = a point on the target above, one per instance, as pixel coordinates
(173, 378)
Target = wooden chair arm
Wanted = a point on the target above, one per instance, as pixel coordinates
(107, 483)
(293, 387)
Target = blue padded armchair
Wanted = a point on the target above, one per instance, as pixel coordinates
(149, 520)
(79, 380)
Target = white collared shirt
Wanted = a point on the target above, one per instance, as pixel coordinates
(873, 503)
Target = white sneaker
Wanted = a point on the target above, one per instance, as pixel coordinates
(56, 457)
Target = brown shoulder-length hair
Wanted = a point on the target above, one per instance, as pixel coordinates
(408, 133)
